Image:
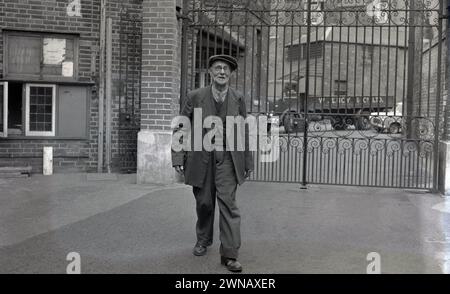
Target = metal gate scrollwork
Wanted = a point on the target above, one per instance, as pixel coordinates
(357, 85)
(130, 56)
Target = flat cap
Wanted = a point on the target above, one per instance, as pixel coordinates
(225, 58)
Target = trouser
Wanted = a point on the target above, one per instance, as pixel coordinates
(220, 182)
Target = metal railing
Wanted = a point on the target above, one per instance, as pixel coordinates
(357, 84)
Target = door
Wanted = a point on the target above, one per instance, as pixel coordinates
(3, 109)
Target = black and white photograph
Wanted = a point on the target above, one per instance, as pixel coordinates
(213, 139)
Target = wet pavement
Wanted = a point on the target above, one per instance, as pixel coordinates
(117, 226)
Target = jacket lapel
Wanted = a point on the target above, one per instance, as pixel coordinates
(206, 102)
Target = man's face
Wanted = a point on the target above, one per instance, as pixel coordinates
(220, 73)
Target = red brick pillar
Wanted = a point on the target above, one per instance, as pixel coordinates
(160, 90)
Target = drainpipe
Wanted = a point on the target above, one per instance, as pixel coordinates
(108, 93)
(101, 92)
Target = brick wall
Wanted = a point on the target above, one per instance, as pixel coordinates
(160, 65)
(68, 155)
(51, 16)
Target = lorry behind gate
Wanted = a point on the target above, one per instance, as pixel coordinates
(341, 111)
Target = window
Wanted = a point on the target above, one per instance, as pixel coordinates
(35, 101)
(294, 52)
(40, 56)
(43, 110)
(297, 51)
(40, 110)
(340, 87)
(15, 109)
(315, 50)
(3, 109)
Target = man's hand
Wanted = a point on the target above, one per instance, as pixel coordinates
(179, 169)
(247, 173)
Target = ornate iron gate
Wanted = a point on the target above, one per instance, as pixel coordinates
(356, 84)
(129, 88)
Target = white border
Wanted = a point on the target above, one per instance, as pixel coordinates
(4, 132)
(27, 110)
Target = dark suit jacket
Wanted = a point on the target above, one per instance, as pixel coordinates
(196, 162)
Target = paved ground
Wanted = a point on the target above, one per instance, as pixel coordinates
(119, 227)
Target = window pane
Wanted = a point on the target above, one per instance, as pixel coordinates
(58, 57)
(69, 50)
(24, 55)
(34, 91)
(40, 54)
(54, 50)
(41, 111)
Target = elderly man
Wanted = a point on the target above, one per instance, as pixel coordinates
(216, 173)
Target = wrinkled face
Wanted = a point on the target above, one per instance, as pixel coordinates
(220, 73)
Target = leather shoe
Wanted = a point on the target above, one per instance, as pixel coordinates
(231, 264)
(199, 250)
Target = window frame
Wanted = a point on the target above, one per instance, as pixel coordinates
(28, 132)
(4, 132)
(40, 76)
